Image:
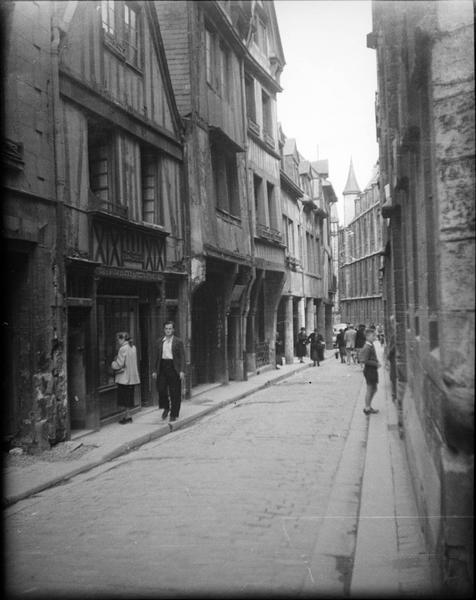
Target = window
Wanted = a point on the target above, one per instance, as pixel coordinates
(225, 78)
(100, 153)
(289, 233)
(218, 65)
(152, 209)
(225, 181)
(267, 115)
(272, 213)
(121, 23)
(209, 56)
(258, 194)
(108, 16)
(113, 315)
(131, 34)
(260, 36)
(250, 98)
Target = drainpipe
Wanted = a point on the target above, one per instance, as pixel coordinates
(58, 344)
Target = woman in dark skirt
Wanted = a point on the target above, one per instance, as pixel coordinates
(301, 342)
(316, 342)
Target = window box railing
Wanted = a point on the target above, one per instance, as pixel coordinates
(268, 233)
(254, 127)
(104, 206)
(261, 354)
(292, 262)
(269, 140)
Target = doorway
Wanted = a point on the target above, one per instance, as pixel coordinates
(78, 328)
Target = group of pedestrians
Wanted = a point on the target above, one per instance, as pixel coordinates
(316, 344)
(168, 374)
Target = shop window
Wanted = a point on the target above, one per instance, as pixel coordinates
(113, 314)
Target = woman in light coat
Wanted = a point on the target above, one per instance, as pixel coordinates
(126, 374)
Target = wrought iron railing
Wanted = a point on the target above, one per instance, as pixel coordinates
(261, 354)
(104, 206)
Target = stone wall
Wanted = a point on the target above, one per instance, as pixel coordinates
(426, 137)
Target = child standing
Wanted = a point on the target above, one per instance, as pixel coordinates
(368, 357)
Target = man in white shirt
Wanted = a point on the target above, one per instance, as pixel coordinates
(169, 372)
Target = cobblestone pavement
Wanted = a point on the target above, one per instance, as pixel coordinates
(232, 504)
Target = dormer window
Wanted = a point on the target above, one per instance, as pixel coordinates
(260, 36)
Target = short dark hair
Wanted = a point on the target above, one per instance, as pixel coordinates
(169, 322)
(368, 331)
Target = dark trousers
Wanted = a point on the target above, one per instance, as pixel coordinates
(169, 385)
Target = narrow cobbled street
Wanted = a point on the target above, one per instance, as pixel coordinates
(234, 503)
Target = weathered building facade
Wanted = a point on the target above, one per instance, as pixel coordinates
(115, 199)
(306, 200)
(225, 59)
(206, 53)
(425, 127)
(146, 180)
(263, 64)
(34, 406)
(360, 259)
(123, 201)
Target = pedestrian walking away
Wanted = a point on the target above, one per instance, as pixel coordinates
(371, 365)
(315, 341)
(169, 372)
(126, 374)
(340, 343)
(349, 339)
(301, 342)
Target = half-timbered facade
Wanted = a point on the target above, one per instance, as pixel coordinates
(123, 198)
(306, 200)
(263, 64)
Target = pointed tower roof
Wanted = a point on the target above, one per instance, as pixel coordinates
(351, 187)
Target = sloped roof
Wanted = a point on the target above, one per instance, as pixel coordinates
(304, 166)
(289, 146)
(374, 178)
(328, 191)
(351, 187)
(321, 166)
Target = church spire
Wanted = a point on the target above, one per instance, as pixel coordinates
(351, 187)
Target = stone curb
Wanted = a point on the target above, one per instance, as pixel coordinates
(144, 439)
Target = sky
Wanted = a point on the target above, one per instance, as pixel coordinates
(329, 81)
